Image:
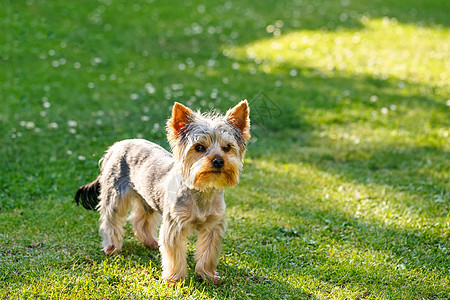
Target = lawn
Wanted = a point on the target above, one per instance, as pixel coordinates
(345, 192)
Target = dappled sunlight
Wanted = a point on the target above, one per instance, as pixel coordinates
(335, 252)
(288, 190)
(381, 49)
(344, 191)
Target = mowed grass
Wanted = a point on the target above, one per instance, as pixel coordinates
(345, 190)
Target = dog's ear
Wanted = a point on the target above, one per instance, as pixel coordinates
(239, 117)
(181, 116)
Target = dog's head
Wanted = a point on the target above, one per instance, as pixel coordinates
(210, 148)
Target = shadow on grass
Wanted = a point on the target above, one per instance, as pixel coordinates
(328, 249)
(306, 119)
(415, 171)
(239, 282)
(320, 14)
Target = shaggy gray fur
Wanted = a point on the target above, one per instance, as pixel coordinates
(185, 190)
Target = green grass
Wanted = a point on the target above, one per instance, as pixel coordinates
(345, 191)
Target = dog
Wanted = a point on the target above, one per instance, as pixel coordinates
(184, 191)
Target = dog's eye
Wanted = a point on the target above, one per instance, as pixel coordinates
(200, 148)
(227, 148)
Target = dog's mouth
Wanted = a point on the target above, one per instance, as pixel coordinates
(215, 172)
(211, 172)
(215, 178)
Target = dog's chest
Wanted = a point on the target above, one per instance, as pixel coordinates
(202, 216)
(200, 220)
(197, 210)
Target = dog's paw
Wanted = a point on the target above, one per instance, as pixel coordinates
(173, 283)
(152, 244)
(173, 280)
(209, 278)
(111, 250)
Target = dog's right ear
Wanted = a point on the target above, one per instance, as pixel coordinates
(181, 116)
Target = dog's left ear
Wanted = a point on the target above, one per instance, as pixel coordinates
(239, 117)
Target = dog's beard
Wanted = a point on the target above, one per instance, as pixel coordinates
(201, 175)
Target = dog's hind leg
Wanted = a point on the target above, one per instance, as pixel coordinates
(113, 209)
(145, 222)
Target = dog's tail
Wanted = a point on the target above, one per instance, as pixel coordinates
(88, 194)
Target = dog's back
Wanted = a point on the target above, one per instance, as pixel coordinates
(124, 165)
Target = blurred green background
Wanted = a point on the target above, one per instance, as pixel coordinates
(345, 191)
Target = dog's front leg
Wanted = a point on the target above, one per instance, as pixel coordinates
(173, 251)
(209, 244)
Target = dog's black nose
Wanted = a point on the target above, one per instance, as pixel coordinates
(218, 162)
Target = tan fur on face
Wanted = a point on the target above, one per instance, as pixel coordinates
(197, 167)
(205, 176)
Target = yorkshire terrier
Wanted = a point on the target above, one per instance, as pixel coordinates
(185, 190)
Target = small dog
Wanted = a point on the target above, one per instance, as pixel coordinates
(185, 190)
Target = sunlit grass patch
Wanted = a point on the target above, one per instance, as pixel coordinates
(383, 48)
